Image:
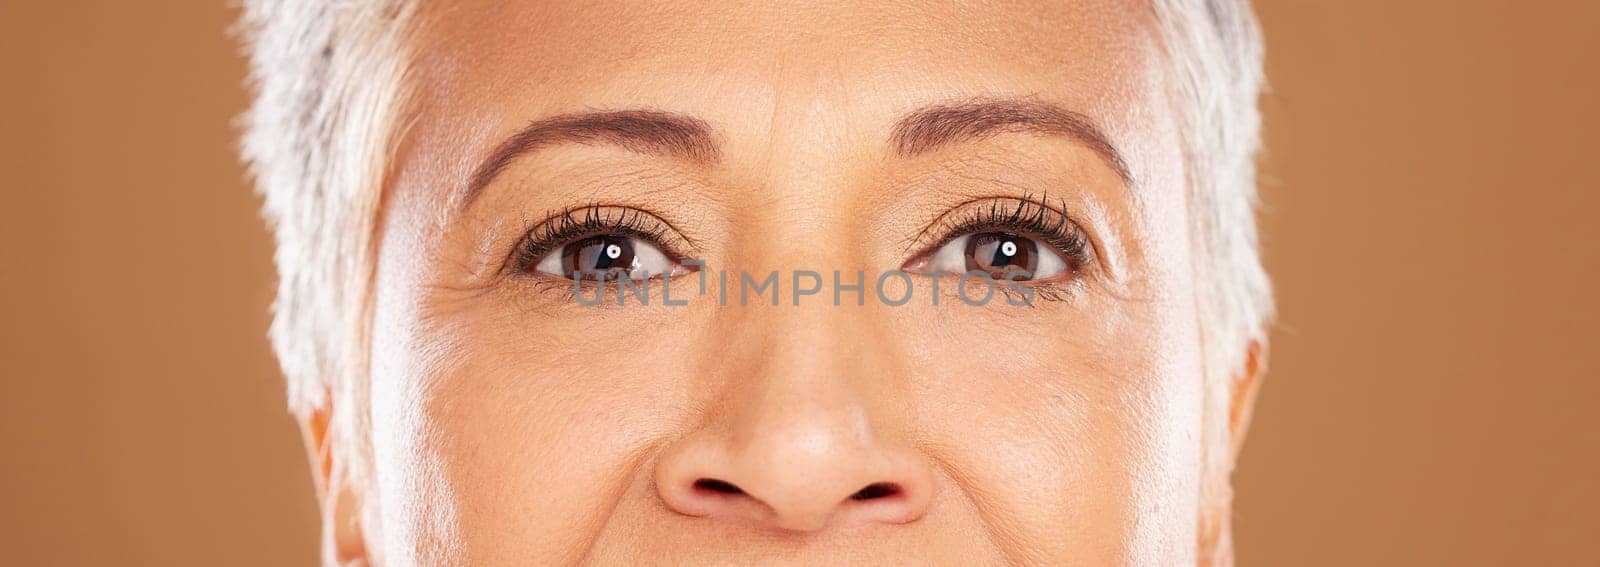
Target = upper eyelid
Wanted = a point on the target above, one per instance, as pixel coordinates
(568, 214)
(920, 240)
(676, 240)
(540, 232)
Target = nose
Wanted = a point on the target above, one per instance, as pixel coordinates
(800, 468)
(795, 448)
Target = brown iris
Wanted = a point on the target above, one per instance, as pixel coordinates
(1002, 255)
(598, 257)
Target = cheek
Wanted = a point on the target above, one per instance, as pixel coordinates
(1079, 425)
(532, 431)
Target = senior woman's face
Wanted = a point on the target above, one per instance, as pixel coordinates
(510, 423)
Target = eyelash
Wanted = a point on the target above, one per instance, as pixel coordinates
(574, 223)
(1025, 216)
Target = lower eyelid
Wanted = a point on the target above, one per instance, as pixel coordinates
(542, 293)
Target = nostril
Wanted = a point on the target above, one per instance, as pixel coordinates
(876, 490)
(718, 486)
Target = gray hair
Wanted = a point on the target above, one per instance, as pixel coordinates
(1215, 50)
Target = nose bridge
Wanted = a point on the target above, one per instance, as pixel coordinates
(801, 431)
(805, 406)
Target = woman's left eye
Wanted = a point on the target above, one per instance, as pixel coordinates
(1002, 255)
(607, 256)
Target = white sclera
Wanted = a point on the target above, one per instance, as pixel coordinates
(648, 261)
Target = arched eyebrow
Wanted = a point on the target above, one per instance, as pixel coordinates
(692, 139)
(933, 127)
(643, 131)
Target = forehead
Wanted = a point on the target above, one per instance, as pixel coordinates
(771, 73)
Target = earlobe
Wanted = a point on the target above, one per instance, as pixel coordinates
(338, 494)
(1245, 386)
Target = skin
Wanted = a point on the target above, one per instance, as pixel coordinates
(507, 425)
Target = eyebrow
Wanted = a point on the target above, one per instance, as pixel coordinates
(933, 127)
(691, 139)
(643, 131)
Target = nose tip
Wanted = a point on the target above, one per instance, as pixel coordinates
(779, 489)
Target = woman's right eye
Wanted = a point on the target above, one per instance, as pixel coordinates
(1001, 255)
(608, 257)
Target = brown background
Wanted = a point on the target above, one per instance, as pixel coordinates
(1431, 196)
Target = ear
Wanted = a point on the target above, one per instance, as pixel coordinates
(1245, 386)
(343, 540)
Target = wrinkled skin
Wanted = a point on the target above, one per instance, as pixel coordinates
(511, 426)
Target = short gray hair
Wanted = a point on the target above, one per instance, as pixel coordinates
(327, 79)
(1216, 52)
